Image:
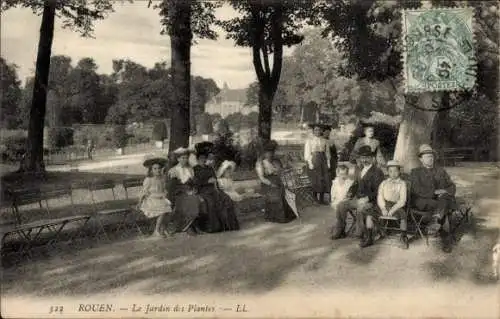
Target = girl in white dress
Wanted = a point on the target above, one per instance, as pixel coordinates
(225, 180)
(153, 201)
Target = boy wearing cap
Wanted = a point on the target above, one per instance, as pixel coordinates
(391, 198)
(433, 193)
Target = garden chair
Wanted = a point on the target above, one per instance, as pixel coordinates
(100, 211)
(299, 185)
(133, 182)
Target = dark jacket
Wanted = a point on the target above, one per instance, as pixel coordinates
(368, 184)
(424, 182)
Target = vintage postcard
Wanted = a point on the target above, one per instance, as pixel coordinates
(249, 159)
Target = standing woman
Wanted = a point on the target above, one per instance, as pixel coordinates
(153, 200)
(268, 169)
(218, 208)
(368, 140)
(180, 186)
(327, 130)
(317, 157)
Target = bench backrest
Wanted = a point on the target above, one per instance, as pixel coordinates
(104, 184)
(131, 183)
(294, 179)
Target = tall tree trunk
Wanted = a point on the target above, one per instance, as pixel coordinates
(265, 112)
(415, 129)
(33, 160)
(441, 127)
(268, 77)
(180, 43)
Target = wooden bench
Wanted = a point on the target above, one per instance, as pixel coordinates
(42, 232)
(451, 156)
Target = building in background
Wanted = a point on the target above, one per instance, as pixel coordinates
(230, 101)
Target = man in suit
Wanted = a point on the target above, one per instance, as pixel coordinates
(364, 201)
(433, 194)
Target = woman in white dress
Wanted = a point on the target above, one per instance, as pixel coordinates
(153, 201)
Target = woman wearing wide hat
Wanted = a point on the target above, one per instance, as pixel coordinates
(218, 208)
(317, 156)
(180, 185)
(268, 169)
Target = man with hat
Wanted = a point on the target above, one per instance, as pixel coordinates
(433, 193)
(391, 199)
(364, 201)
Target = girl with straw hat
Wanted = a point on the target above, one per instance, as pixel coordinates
(153, 200)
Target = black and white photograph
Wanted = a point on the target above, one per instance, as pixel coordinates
(249, 159)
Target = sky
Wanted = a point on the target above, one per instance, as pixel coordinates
(131, 32)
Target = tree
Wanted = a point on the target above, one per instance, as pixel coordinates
(10, 96)
(76, 14)
(58, 93)
(368, 33)
(182, 21)
(267, 26)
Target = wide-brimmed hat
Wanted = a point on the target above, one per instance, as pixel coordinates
(393, 163)
(365, 151)
(152, 160)
(182, 151)
(203, 148)
(425, 149)
(225, 166)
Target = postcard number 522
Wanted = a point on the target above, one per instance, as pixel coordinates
(56, 309)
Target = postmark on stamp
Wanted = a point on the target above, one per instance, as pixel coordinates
(439, 52)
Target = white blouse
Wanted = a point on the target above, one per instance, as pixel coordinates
(316, 144)
(181, 173)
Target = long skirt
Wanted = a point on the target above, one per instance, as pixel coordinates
(186, 212)
(218, 211)
(320, 174)
(277, 209)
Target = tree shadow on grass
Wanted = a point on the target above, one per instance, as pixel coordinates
(256, 260)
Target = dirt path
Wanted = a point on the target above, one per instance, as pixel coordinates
(295, 260)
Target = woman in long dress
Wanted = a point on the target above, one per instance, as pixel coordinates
(218, 208)
(268, 169)
(181, 190)
(368, 140)
(317, 156)
(153, 201)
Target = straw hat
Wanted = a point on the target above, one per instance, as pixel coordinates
(225, 166)
(150, 161)
(393, 163)
(182, 151)
(425, 149)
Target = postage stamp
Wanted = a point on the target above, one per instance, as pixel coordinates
(439, 52)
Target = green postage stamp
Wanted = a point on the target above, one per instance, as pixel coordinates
(439, 52)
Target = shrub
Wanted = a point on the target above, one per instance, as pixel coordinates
(120, 136)
(222, 127)
(226, 150)
(385, 133)
(159, 131)
(138, 139)
(13, 147)
(250, 153)
(59, 137)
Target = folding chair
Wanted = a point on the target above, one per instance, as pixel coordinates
(100, 212)
(299, 184)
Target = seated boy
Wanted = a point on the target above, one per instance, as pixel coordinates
(342, 186)
(391, 199)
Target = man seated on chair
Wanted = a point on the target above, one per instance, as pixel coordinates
(433, 194)
(391, 198)
(364, 201)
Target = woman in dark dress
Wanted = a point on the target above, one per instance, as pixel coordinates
(218, 211)
(317, 157)
(327, 130)
(268, 169)
(181, 192)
